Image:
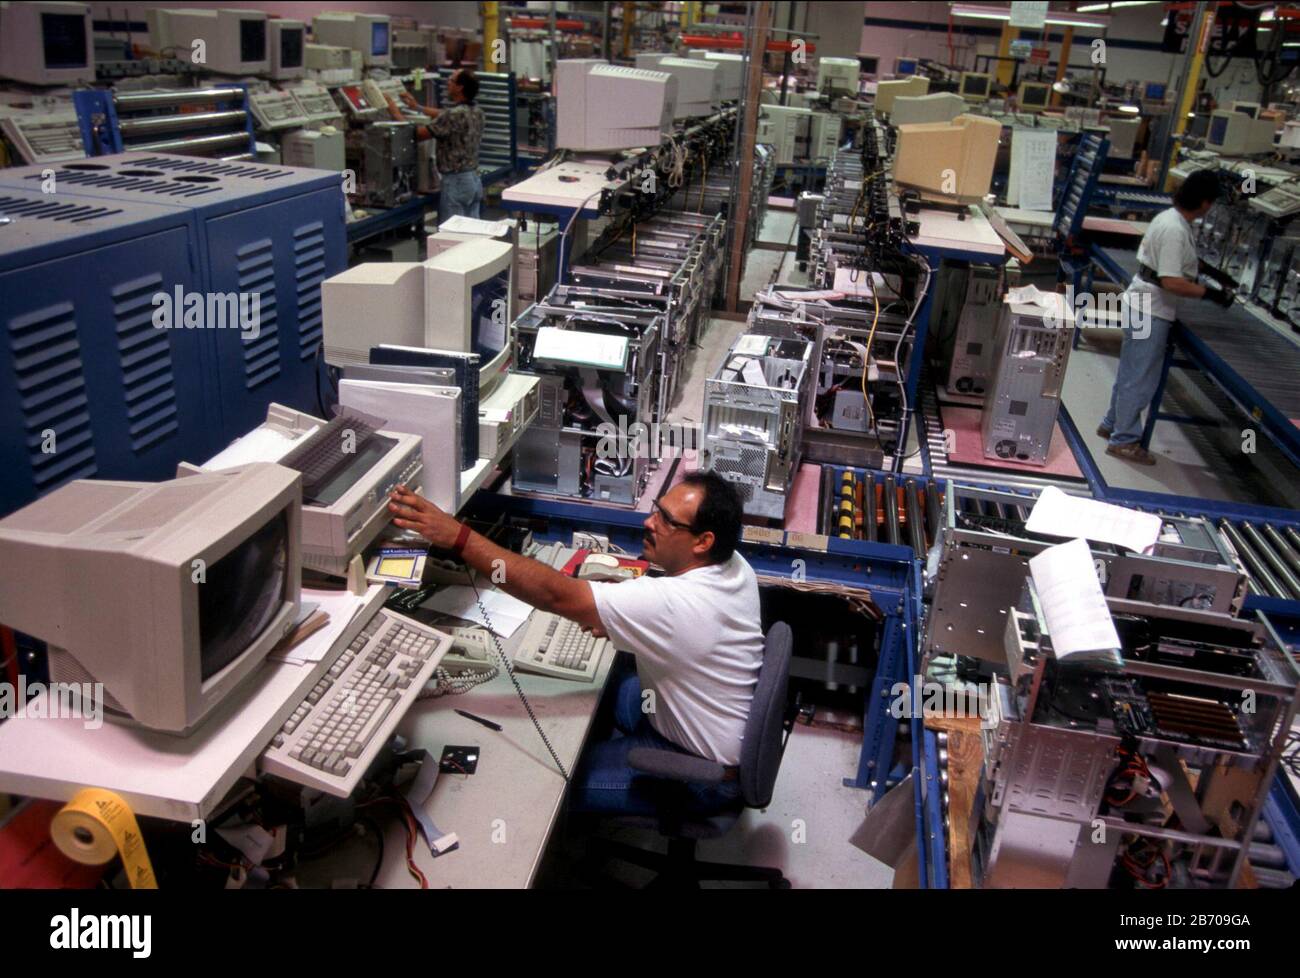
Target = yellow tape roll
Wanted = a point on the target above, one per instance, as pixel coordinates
(98, 825)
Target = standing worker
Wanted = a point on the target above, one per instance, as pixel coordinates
(458, 129)
(1167, 269)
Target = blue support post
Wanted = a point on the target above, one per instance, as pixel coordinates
(880, 726)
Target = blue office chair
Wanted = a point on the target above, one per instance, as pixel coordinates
(771, 719)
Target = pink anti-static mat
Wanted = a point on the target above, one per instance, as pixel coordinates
(801, 508)
(964, 423)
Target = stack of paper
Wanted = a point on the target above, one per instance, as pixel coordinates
(1058, 514)
(504, 614)
(1073, 604)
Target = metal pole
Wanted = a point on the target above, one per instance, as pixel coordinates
(762, 21)
(785, 61)
(1197, 41)
(491, 34)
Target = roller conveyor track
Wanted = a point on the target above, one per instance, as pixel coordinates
(1128, 199)
(1259, 354)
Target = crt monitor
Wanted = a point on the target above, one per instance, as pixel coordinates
(731, 65)
(467, 304)
(252, 40)
(974, 86)
(234, 41)
(699, 85)
(601, 107)
(367, 33)
(1034, 95)
(1247, 108)
(170, 594)
(371, 304)
(1154, 91)
(887, 91)
(869, 64)
(46, 43)
(1219, 127)
(949, 161)
(286, 41)
(905, 66)
(379, 39)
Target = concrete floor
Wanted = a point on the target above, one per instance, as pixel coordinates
(1201, 460)
(760, 268)
(804, 832)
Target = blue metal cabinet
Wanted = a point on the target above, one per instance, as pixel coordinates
(238, 227)
(88, 386)
(284, 258)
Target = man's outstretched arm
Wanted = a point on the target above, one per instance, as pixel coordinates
(521, 577)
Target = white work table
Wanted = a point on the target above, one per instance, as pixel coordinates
(1044, 220)
(947, 231)
(178, 778)
(504, 813)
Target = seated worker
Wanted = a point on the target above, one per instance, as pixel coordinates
(695, 634)
(459, 130)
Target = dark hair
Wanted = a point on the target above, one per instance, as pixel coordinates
(1199, 187)
(468, 84)
(719, 512)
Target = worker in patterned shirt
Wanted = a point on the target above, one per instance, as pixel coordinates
(458, 129)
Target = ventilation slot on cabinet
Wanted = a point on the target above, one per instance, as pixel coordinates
(52, 394)
(309, 272)
(148, 380)
(256, 264)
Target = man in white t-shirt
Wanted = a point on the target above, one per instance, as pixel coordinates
(695, 633)
(1167, 269)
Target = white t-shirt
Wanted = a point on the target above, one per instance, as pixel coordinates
(1170, 248)
(698, 642)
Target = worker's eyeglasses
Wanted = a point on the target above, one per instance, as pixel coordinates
(664, 518)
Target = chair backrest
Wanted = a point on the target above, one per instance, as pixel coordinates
(760, 755)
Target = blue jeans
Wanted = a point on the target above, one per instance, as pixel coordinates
(604, 782)
(461, 193)
(1140, 362)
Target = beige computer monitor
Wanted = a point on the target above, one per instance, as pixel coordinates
(1034, 96)
(887, 91)
(936, 107)
(170, 594)
(975, 86)
(948, 161)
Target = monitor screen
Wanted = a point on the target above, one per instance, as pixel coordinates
(252, 40)
(242, 594)
(1218, 129)
(1250, 110)
(975, 85)
(1155, 90)
(489, 312)
(905, 66)
(379, 38)
(291, 49)
(868, 65)
(1035, 95)
(64, 38)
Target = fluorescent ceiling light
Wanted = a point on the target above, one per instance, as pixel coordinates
(1089, 7)
(1064, 18)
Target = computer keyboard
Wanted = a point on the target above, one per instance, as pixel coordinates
(346, 719)
(555, 646)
